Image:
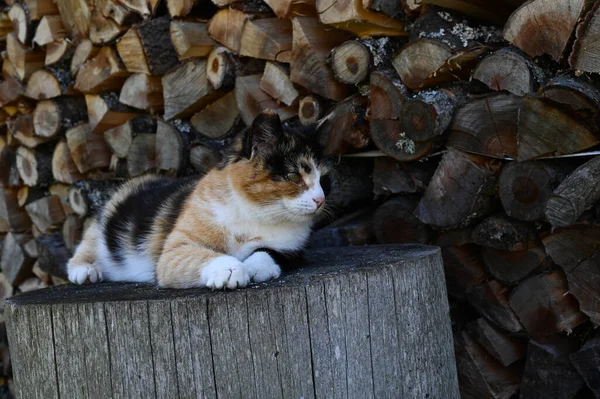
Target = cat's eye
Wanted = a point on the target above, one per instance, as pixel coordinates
(294, 177)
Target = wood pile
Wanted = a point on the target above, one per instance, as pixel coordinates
(467, 124)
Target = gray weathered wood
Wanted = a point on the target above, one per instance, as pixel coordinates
(369, 322)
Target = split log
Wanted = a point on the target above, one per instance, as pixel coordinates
(10, 88)
(49, 30)
(84, 52)
(584, 52)
(346, 129)
(292, 8)
(118, 167)
(89, 151)
(544, 305)
(546, 130)
(72, 231)
(446, 190)
(226, 27)
(52, 81)
(586, 362)
(528, 27)
(310, 109)
(500, 232)
(387, 95)
(103, 30)
(87, 197)
(16, 264)
(251, 100)
(22, 129)
(75, 15)
(511, 267)
(276, 83)
(492, 302)
(479, 374)
(58, 51)
(219, 119)
(394, 222)
(143, 91)
(24, 60)
(186, 89)
(548, 371)
(142, 154)
(203, 158)
(64, 169)
(106, 112)
(119, 138)
(526, 187)
(46, 213)
(487, 126)
(503, 347)
(351, 62)
(389, 137)
(171, 148)
(151, 40)
(53, 255)
(23, 26)
(510, 70)
(355, 229)
(463, 269)
(52, 118)
(428, 114)
(392, 177)
(311, 46)
(267, 38)
(25, 195)
(35, 166)
(104, 72)
(6, 291)
(575, 249)
(62, 191)
(181, 8)
(356, 18)
(39, 8)
(575, 92)
(574, 195)
(190, 39)
(11, 214)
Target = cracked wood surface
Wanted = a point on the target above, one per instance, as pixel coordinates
(353, 322)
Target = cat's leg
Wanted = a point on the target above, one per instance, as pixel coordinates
(184, 264)
(82, 266)
(261, 267)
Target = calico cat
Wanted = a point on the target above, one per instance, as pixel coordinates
(211, 231)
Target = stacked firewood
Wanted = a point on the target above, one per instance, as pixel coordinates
(467, 124)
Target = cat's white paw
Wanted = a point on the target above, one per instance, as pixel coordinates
(84, 273)
(261, 267)
(224, 272)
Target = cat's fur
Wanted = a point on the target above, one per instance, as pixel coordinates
(210, 231)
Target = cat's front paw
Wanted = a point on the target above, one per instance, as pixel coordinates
(261, 267)
(80, 274)
(225, 272)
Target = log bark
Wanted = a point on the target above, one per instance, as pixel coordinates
(495, 13)
(218, 119)
(527, 26)
(186, 89)
(151, 39)
(53, 255)
(389, 137)
(52, 81)
(106, 112)
(574, 195)
(503, 233)
(52, 118)
(16, 264)
(46, 213)
(548, 370)
(575, 249)
(584, 48)
(311, 46)
(190, 39)
(144, 92)
(445, 191)
(104, 72)
(428, 114)
(545, 306)
(546, 130)
(89, 151)
(370, 346)
(35, 166)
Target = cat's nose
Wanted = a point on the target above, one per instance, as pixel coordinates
(319, 201)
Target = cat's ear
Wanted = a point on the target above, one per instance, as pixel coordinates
(265, 131)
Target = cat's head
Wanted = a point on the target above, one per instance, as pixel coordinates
(280, 172)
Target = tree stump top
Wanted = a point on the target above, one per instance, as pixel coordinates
(317, 265)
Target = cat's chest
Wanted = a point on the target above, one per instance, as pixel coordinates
(244, 241)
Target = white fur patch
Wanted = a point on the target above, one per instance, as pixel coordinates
(83, 273)
(261, 267)
(136, 267)
(224, 272)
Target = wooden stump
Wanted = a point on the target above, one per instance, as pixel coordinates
(359, 322)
